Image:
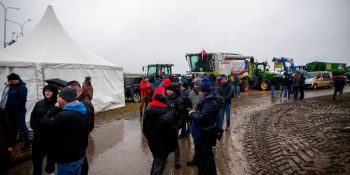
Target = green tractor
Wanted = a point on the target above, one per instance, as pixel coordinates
(158, 70)
(259, 75)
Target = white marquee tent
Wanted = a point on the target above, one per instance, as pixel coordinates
(48, 52)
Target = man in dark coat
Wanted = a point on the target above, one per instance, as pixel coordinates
(82, 97)
(16, 107)
(177, 105)
(225, 91)
(40, 146)
(184, 93)
(204, 129)
(67, 123)
(339, 83)
(161, 134)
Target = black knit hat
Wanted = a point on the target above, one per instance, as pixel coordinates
(13, 76)
(68, 94)
(172, 87)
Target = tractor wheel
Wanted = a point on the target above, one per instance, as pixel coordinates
(136, 97)
(264, 85)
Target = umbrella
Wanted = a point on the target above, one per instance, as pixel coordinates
(56, 81)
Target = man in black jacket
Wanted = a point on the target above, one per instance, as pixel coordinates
(161, 134)
(204, 129)
(339, 83)
(40, 146)
(82, 97)
(67, 123)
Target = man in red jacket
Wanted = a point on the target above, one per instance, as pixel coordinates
(145, 91)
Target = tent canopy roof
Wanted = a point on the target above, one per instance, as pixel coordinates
(50, 43)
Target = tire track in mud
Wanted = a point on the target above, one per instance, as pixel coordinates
(299, 137)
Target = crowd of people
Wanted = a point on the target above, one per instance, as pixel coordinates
(180, 106)
(172, 108)
(61, 123)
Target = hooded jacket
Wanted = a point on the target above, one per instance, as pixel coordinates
(159, 130)
(41, 107)
(68, 128)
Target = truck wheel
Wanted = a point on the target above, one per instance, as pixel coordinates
(314, 86)
(136, 97)
(264, 85)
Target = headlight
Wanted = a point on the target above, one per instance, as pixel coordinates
(308, 81)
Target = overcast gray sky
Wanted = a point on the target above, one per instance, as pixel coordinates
(134, 33)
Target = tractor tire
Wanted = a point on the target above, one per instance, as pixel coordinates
(264, 85)
(136, 97)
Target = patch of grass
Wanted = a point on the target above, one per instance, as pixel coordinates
(129, 108)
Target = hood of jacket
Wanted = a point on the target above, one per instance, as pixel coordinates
(154, 112)
(75, 106)
(54, 89)
(20, 83)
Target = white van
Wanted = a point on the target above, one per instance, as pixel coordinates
(319, 79)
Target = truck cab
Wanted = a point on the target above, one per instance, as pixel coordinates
(220, 64)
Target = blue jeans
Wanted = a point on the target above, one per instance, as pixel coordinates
(272, 90)
(73, 168)
(284, 91)
(225, 109)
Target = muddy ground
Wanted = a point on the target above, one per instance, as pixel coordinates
(268, 136)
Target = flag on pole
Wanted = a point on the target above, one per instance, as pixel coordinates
(203, 53)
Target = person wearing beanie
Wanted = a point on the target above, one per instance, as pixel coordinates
(160, 132)
(225, 92)
(40, 143)
(82, 97)
(204, 129)
(67, 124)
(177, 105)
(205, 85)
(184, 93)
(16, 107)
(87, 88)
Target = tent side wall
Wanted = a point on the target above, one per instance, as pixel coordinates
(107, 81)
